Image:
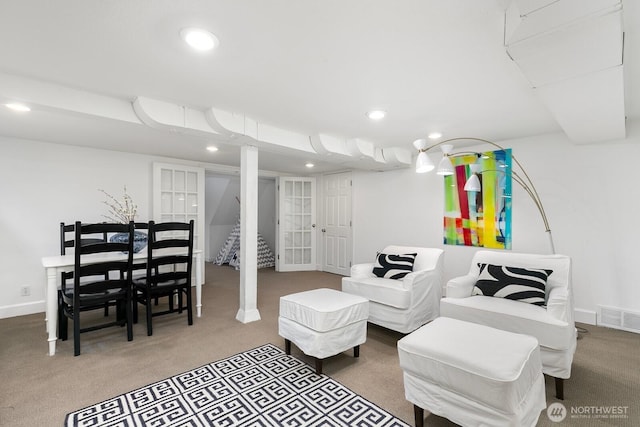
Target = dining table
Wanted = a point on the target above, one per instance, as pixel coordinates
(55, 265)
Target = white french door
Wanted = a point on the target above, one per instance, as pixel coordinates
(336, 231)
(178, 195)
(296, 224)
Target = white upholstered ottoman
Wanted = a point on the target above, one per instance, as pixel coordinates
(472, 374)
(323, 322)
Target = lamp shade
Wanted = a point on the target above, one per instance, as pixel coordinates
(445, 167)
(473, 183)
(424, 163)
(420, 144)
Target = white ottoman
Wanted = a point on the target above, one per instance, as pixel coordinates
(472, 374)
(323, 322)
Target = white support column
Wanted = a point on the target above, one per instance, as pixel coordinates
(248, 311)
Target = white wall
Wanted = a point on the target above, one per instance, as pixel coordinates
(43, 184)
(589, 193)
(223, 210)
(267, 211)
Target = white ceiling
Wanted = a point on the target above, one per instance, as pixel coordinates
(305, 67)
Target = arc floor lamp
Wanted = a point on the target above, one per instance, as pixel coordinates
(445, 167)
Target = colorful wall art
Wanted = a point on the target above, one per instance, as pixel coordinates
(481, 218)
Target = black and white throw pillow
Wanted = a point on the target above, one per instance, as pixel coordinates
(515, 283)
(392, 266)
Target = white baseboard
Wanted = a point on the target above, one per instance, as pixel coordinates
(22, 309)
(585, 316)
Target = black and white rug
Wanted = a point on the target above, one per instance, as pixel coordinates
(259, 387)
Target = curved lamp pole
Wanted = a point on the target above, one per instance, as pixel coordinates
(424, 164)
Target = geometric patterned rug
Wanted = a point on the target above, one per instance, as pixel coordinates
(260, 387)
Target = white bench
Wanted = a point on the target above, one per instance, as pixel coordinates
(323, 322)
(472, 374)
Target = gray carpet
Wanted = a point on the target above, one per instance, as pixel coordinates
(38, 390)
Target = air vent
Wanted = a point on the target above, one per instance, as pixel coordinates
(631, 321)
(618, 318)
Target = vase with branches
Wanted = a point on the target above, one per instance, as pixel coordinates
(124, 211)
(121, 211)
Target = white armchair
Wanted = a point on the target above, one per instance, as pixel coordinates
(552, 324)
(405, 304)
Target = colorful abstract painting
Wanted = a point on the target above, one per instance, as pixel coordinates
(481, 218)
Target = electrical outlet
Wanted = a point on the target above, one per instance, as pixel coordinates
(25, 291)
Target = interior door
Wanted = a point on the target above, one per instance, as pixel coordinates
(178, 195)
(336, 232)
(296, 224)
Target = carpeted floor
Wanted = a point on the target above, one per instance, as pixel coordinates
(38, 390)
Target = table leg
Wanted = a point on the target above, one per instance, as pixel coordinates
(198, 284)
(52, 309)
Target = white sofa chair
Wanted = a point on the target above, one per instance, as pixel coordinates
(405, 304)
(552, 324)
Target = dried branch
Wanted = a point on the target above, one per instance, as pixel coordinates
(120, 211)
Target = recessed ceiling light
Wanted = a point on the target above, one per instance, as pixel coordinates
(376, 114)
(18, 107)
(199, 39)
(435, 135)
(309, 165)
(212, 148)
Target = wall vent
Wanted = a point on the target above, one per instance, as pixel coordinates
(631, 321)
(618, 318)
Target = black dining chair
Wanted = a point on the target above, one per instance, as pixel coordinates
(169, 268)
(67, 241)
(97, 281)
(140, 268)
(67, 237)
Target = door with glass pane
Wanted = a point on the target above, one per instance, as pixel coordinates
(296, 242)
(178, 195)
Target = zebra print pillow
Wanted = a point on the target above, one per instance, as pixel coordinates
(393, 266)
(521, 284)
